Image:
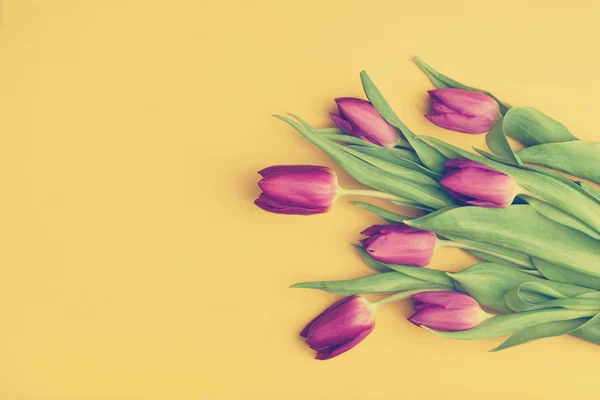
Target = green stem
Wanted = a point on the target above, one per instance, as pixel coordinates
(338, 137)
(368, 193)
(450, 243)
(336, 131)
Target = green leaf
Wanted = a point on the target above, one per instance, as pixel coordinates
(428, 155)
(491, 156)
(553, 213)
(348, 139)
(391, 156)
(393, 169)
(424, 274)
(493, 259)
(579, 158)
(562, 274)
(588, 332)
(525, 298)
(530, 127)
(488, 283)
(442, 81)
(409, 155)
(385, 282)
(519, 228)
(372, 176)
(507, 324)
(412, 205)
(513, 257)
(498, 144)
(381, 212)
(590, 190)
(549, 329)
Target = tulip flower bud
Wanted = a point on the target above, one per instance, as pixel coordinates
(297, 189)
(463, 110)
(340, 327)
(479, 185)
(446, 311)
(399, 244)
(360, 118)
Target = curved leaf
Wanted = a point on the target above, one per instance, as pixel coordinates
(498, 144)
(561, 274)
(385, 282)
(488, 283)
(519, 228)
(553, 213)
(549, 329)
(400, 159)
(530, 127)
(424, 274)
(579, 158)
(507, 324)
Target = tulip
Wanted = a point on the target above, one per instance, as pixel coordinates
(297, 189)
(463, 110)
(479, 185)
(360, 118)
(340, 327)
(447, 311)
(399, 244)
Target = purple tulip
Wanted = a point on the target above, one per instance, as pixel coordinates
(446, 311)
(463, 110)
(297, 189)
(399, 244)
(479, 185)
(340, 327)
(360, 118)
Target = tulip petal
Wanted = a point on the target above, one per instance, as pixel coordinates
(464, 163)
(275, 169)
(268, 204)
(444, 320)
(448, 300)
(326, 311)
(345, 346)
(383, 229)
(403, 248)
(341, 324)
(461, 123)
(367, 122)
(467, 102)
(481, 187)
(438, 107)
(342, 123)
(314, 189)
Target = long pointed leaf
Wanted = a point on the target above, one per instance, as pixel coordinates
(531, 127)
(507, 324)
(519, 228)
(578, 158)
(549, 329)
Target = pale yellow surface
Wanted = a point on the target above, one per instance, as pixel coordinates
(134, 264)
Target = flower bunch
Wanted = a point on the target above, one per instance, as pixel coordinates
(535, 230)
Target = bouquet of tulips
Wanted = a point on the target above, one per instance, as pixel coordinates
(536, 230)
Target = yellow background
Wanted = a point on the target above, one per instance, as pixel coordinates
(134, 264)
